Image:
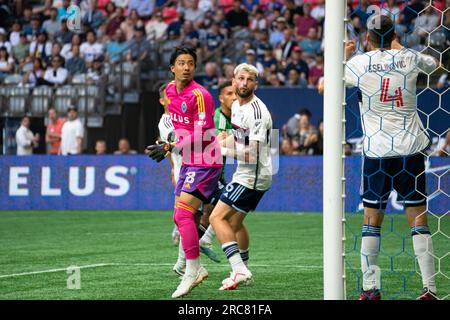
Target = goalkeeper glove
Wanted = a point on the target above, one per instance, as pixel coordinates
(159, 151)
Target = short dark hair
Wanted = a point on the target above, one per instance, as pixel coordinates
(381, 31)
(305, 112)
(223, 85)
(183, 50)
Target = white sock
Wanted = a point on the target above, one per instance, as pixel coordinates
(244, 256)
(181, 255)
(192, 266)
(370, 248)
(231, 251)
(208, 236)
(423, 249)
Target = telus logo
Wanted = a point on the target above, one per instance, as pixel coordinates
(114, 176)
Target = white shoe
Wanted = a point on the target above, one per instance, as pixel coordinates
(175, 236)
(189, 282)
(179, 268)
(235, 279)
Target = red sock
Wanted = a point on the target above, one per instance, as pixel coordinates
(184, 218)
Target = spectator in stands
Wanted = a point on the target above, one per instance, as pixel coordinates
(66, 51)
(4, 40)
(144, 8)
(189, 34)
(156, 28)
(25, 139)
(318, 12)
(93, 17)
(286, 147)
(91, 49)
(56, 74)
(130, 22)
(72, 134)
(124, 148)
(237, 18)
(250, 57)
(316, 72)
(53, 132)
(6, 64)
(294, 79)
(114, 18)
(95, 72)
(304, 140)
(194, 14)
(100, 147)
(426, 22)
(305, 21)
(391, 9)
(116, 48)
(318, 145)
(227, 70)
(63, 35)
(35, 76)
(25, 19)
(14, 36)
(75, 65)
(272, 79)
(21, 51)
(258, 20)
(296, 62)
(277, 32)
(140, 48)
(56, 52)
(33, 28)
(268, 63)
(411, 10)
(41, 47)
(214, 43)
(311, 44)
(51, 26)
(287, 44)
(211, 77)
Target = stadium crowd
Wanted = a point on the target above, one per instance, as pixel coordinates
(282, 38)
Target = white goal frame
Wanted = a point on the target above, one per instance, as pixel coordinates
(333, 156)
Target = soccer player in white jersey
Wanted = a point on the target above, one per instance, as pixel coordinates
(394, 145)
(250, 145)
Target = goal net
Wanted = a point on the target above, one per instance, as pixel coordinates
(421, 27)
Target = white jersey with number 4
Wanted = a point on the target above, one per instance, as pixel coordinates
(253, 122)
(387, 80)
(165, 127)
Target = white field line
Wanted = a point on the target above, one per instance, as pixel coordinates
(144, 265)
(98, 265)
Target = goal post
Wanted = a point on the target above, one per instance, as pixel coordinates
(333, 160)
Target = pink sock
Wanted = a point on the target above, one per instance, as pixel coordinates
(184, 218)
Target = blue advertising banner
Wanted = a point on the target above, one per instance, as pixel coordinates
(137, 183)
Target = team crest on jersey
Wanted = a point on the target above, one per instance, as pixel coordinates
(201, 116)
(184, 106)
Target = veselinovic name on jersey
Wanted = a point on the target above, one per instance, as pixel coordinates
(385, 67)
(387, 80)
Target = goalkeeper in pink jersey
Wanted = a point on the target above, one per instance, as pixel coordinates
(191, 109)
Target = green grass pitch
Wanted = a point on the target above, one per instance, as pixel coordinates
(129, 255)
